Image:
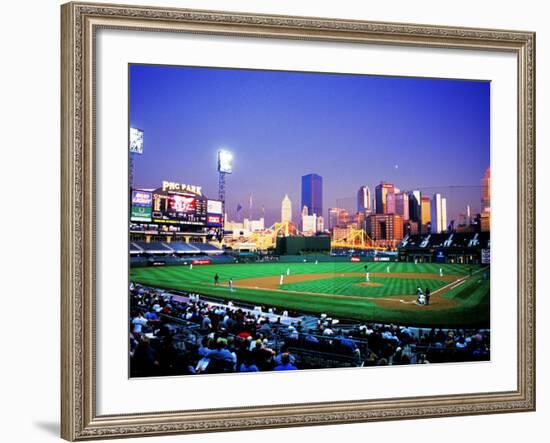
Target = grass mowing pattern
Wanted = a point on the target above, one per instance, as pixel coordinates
(351, 286)
(472, 296)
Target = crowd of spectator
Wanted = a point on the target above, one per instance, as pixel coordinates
(185, 334)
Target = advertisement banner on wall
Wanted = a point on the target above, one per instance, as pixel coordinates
(214, 211)
(142, 205)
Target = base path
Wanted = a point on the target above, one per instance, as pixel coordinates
(400, 302)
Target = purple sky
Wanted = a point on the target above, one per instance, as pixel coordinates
(426, 134)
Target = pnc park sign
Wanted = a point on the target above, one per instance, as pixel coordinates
(175, 186)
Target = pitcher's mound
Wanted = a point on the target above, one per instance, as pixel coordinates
(370, 284)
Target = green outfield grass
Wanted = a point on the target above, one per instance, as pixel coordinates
(352, 300)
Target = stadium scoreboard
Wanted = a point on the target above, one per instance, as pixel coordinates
(175, 205)
(182, 209)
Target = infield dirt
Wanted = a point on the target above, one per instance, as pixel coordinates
(402, 302)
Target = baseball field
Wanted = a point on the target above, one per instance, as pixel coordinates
(459, 296)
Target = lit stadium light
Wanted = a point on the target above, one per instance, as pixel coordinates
(136, 141)
(225, 161)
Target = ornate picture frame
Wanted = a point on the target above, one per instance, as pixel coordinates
(80, 22)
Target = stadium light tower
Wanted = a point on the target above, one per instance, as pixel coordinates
(136, 147)
(225, 166)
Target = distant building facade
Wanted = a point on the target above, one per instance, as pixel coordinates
(485, 217)
(338, 217)
(286, 210)
(309, 224)
(402, 205)
(388, 227)
(364, 200)
(312, 193)
(438, 218)
(486, 191)
(415, 206)
(381, 193)
(425, 213)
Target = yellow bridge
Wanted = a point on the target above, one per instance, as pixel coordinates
(354, 239)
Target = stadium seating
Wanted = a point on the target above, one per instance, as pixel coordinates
(135, 249)
(208, 248)
(184, 248)
(153, 248)
(193, 335)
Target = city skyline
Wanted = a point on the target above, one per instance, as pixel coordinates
(351, 130)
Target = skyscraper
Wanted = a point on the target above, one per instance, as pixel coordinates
(402, 205)
(486, 191)
(424, 214)
(444, 225)
(385, 227)
(381, 192)
(485, 218)
(438, 214)
(286, 210)
(414, 206)
(364, 202)
(435, 216)
(390, 203)
(312, 193)
(333, 217)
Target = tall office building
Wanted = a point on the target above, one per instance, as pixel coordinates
(381, 192)
(320, 223)
(402, 205)
(311, 224)
(444, 224)
(304, 213)
(286, 210)
(387, 227)
(438, 216)
(486, 191)
(485, 218)
(333, 217)
(424, 214)
(390, 203)
(364, 200)
(338, 217)
(414, 206)
(312, 193)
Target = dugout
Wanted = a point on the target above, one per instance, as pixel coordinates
(300, 245)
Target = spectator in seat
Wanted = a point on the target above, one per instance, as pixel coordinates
(138, 322)
(144, 362)
(285, 364)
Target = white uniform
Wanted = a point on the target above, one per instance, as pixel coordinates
(281, 280)
(387, 269)
(441, 272)
(367, 276)
(287, 271)
(191, 266)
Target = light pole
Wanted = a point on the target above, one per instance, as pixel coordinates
(225, 166)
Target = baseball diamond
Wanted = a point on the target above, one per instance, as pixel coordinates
(339, 289)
